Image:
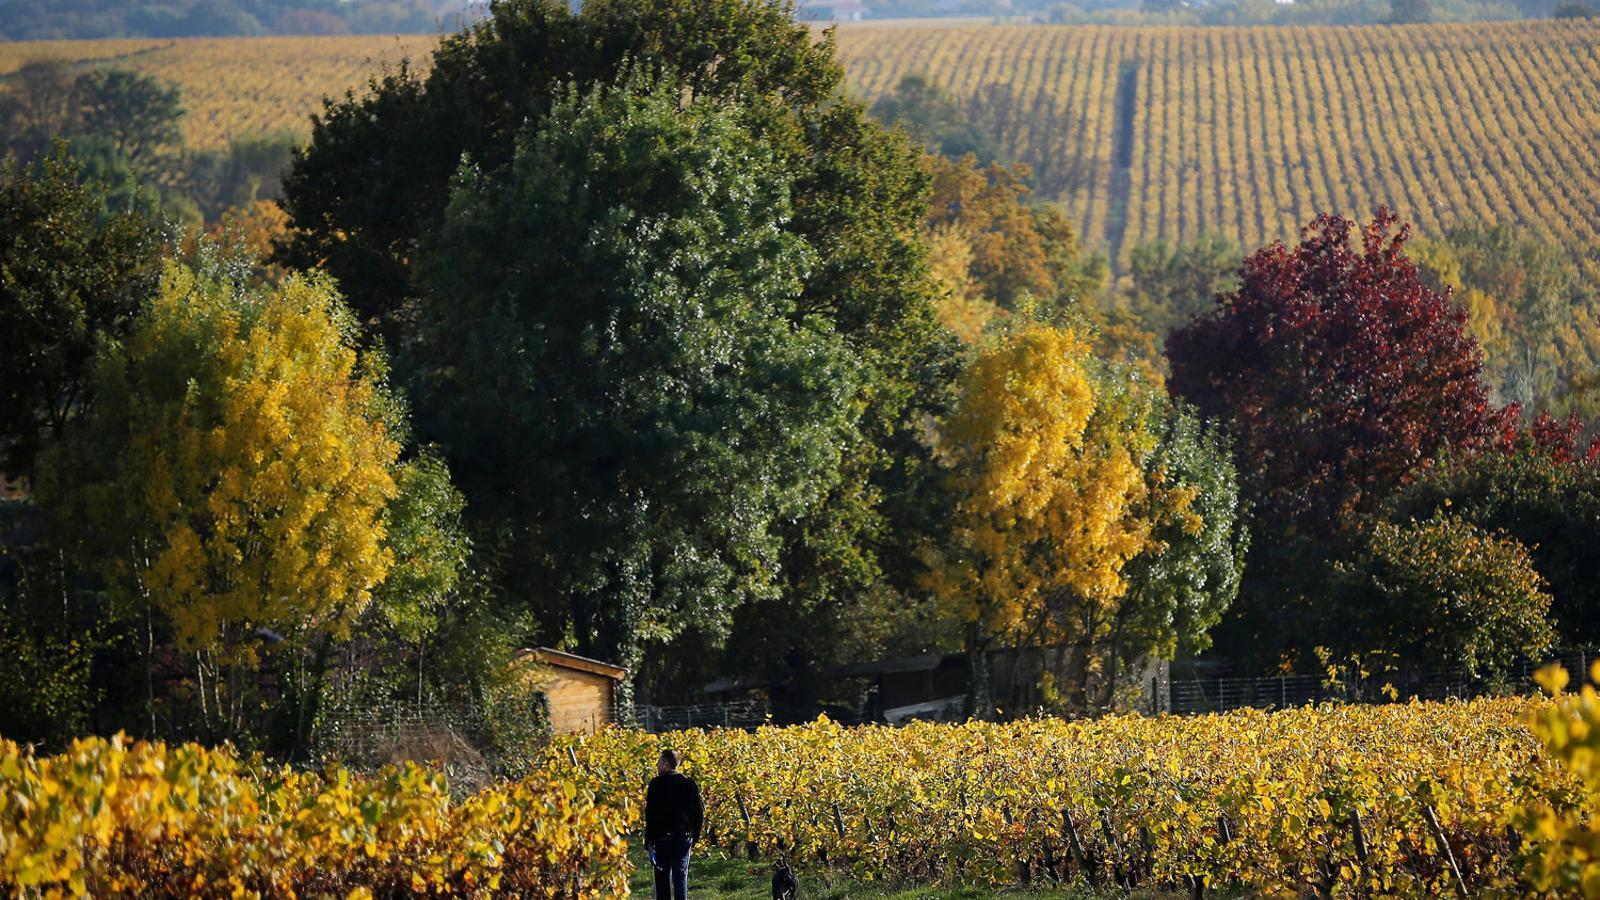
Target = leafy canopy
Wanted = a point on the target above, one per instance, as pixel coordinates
(72, 275)
(1536, 316)
(1188, 576)
(1090, 516)
(935, 118)
(1171, 283)
(1047, 472)
(371, 194)
(235, 467)
(622, 358)
(1540, 486)
(1442, 594)
(374, 182)
(1336, 369)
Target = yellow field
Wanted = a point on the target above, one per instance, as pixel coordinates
(1141, 133)
(238, 86)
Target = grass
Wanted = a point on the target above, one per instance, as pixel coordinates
(714, 876)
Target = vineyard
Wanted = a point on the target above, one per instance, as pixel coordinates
(1491, 797)
(1165, 133)
(235, 87)
(1405, 800)
(112, 818)
(1140, 133)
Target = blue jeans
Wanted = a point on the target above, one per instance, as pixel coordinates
(671, 860)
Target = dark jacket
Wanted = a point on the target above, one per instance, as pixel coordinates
(672, 808)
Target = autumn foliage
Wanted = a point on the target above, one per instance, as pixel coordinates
(1079, 523)
(1248, 803)
(1566, 836)
(117, 818)
(1048, 471)
(1338, 371)
(238, 465)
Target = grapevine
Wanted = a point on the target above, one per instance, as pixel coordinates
(1263, 801)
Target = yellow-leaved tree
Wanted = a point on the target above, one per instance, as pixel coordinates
(1051, 492)
(961, 306)
(232, 475)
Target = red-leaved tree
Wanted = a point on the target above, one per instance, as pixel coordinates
(1338, 371)
(1559, 439)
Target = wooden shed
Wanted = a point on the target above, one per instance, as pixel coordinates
(582, 692)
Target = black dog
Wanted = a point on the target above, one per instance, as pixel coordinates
(784, 887)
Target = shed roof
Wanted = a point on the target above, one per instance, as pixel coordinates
(560, 659)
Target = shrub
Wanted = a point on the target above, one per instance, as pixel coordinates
(1442, 594)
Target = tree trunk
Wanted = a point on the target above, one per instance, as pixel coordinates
(980, 701)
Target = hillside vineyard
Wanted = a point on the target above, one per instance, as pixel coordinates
(1142, 133)
(1163, 133)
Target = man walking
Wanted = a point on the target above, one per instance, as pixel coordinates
(673, 813)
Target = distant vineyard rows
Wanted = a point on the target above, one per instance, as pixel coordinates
(1142, 133)
(1252, 131)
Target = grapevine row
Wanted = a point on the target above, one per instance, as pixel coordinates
(1404, 800)
(113, 818)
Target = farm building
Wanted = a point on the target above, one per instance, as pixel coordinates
(581, 692)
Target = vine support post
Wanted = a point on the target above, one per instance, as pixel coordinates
(1432, 818)
(1119, 869)
(1359, 835)
(1079, 854)
(749, 841)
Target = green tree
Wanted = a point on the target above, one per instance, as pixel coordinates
(371, 191)
(423, 529)
(72, 275)
(1170, 284)
(1180, 586)
(249, 171)
(1441, 594)
(620, 352)
(933, 117)
(1538, 492)
(138, 114)
(374, 181)
(37, 107)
